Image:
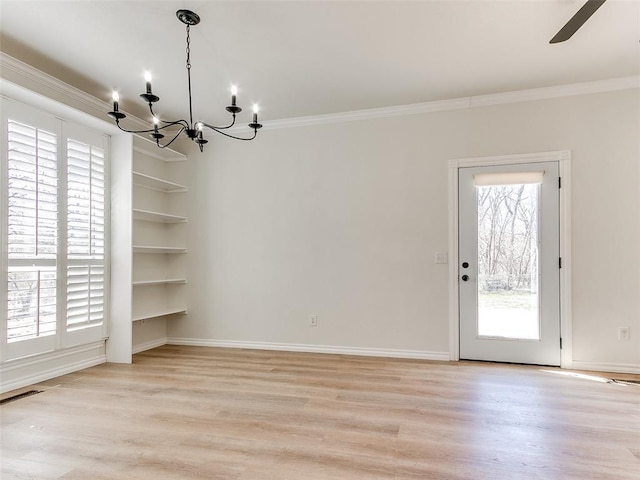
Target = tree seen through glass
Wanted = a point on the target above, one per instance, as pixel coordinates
(508, 261)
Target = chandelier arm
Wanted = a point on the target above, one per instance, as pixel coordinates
(255, 134)
(182, 129)
(182, 123)
(133, 131)
(167, 124)
(213, 127)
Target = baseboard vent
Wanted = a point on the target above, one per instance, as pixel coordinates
(19, 396)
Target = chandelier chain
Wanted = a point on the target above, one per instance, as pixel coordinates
(191, 125)
(188, 49)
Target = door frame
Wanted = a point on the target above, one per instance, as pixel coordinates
(563, 157)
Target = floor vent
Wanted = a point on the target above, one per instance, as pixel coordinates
(19, 396)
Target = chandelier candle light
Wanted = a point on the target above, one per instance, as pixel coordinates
(191, 128)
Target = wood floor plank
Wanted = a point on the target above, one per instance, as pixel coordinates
(210, 413)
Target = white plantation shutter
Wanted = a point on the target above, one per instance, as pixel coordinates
(85, 203)
(54, 229)
(85, 295)
(32, 231)
(85, 234)
(32, 191)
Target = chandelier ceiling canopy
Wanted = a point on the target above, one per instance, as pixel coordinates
(193, 129)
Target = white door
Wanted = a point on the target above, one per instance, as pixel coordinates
(509, 263)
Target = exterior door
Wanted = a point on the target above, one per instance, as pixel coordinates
(508, 272)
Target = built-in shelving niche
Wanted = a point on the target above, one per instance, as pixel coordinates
(149, 243)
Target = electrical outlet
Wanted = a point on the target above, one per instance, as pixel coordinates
(313, 321)
(624, 333)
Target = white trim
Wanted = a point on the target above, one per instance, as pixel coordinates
(32, 360)
(367, 114)
(13, 69)
(517, 96)
(607, 367)
(556, 91)
(22, 81)
(27, 371)
(454, 292)
(141, 347)
(563, 157)
(512, 159)
(329, 349)
(566, 318)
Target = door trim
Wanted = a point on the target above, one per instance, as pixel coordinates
(563, 157)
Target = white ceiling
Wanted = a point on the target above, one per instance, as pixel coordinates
(300, 58)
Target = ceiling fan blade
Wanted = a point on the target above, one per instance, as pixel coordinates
(577, 20)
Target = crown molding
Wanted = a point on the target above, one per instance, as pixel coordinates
(371, 113)
(15, 75)
(26, 76)
(517, 96)
(558, 91)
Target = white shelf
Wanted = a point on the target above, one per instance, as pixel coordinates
(155, 183)
(150, 249)
(158, 217)
(164, 281)
(137, 316)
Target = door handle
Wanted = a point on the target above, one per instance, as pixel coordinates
(465, 278)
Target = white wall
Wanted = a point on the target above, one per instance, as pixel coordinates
(147, 334)
(343, 221)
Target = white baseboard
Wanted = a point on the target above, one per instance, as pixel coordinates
(294, 347)
(28, 371)
(607, 367)
(141, 347)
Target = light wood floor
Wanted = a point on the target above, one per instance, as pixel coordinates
(208, 413)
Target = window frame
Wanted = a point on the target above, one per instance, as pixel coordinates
(64, 129)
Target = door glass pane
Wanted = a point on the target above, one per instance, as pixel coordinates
(508, 261)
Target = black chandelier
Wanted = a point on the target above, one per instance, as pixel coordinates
(191, 128)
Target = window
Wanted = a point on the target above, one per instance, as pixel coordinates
(85, 234)
(54, 181)
(32, 171)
